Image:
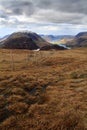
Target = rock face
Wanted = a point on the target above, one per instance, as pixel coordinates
(80, 40)
(24, 40)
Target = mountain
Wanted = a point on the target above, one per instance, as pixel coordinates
(28, 40)
(55, 38)
(81, 34)
(80, 40)
(23, 40)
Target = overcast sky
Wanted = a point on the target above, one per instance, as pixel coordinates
(43, 16)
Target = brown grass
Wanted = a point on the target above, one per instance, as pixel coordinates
(44, 91)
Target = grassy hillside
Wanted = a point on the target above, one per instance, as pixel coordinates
(80, 40)
(63, 41)
(43, 90)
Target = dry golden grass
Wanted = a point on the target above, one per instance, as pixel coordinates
(43, 90)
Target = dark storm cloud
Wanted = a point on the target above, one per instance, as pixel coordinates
(18, 7)
(75, 6)
(65, 11)
(78, 6)
(59, 11)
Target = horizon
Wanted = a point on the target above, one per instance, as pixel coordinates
(48, 17)
(35, 32)
(11, 32)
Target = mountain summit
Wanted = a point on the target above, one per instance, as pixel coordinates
(24, 40)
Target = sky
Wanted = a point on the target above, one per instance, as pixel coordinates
(58, 17)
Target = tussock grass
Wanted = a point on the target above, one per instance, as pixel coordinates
(45, 91)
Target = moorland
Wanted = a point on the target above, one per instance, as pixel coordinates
(43, 90)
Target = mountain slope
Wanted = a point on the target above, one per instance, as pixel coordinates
(24, 40)
(3, 38)
(53, 47)
(80, 40)
(81, 34)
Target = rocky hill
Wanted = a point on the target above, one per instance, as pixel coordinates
(27, 40)
(80, 40)
(24, 40)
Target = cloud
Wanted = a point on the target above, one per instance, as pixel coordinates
(77, 6)
(60, 11)
(16, 7)
(42, 13)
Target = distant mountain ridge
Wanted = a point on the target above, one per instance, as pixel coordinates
(55, 38)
